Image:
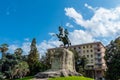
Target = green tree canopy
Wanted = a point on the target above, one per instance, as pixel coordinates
(33, 58)
(80, 62)
(18, 51)
(112, 58)
(3, 49)
(12, 65)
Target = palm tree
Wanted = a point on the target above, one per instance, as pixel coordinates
(18, 51)
(3, 49)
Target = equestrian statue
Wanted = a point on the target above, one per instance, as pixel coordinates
(63, 36)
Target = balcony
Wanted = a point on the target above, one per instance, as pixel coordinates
(98, 52)
(97, 47)
(99, 62)
(98, 57)
(100, 67)
(89, 67)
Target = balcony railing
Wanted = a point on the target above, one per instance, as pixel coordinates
(100, 67)
(99, 62)
(98, 57)
(97, 52)
(97, 47)
(89, 68)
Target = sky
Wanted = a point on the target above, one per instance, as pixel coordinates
(86, 20)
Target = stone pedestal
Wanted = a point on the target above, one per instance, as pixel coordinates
(62, 64)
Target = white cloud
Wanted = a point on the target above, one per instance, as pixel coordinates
(42, 47)
(104, 23)
(51, 34)
(69, 25)
(26, 39)
(26, 47)
(71, 12)
(12, 48)
(80, 36)
(89, 7)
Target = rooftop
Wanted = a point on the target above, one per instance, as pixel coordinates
(81, 45)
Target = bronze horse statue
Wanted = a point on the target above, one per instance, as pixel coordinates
(63, 36)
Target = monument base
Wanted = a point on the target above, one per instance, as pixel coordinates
(59, 73)
(62, 64)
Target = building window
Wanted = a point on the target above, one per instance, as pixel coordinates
(83, 46)
(91, 60)
(91, 55)
(90, 46)
(79, 47)
(99, 65)
(87, 46)
(87, 56)
(91, 50)
(83, 51)
(52, 50)
(87, 50)
(99, 60)
(99, 55)
(92, 67)
(98, 45)
(74, 48)
(98, 50)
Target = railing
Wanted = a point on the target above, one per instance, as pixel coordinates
(99, 62)
(100, 67)
(98, 57)
(97, 52)
(89, 68)
(97, 47)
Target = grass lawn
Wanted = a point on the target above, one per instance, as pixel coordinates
(61, 78)
(71, 78)
(26, 78)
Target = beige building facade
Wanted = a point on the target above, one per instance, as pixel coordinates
(94, 52)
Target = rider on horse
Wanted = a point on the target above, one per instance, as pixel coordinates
(63, 36)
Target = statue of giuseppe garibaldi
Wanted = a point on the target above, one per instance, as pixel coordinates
(63, 36)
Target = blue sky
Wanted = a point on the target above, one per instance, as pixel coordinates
(22, 20)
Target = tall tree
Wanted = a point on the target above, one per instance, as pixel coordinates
(33, 57)
(112, 58)
(80, 62)
(3, 49)
(45, 62)
(18, 51)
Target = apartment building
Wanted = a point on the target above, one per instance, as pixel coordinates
(94, 52)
